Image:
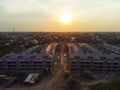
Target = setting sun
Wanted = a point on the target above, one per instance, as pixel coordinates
(66, 17)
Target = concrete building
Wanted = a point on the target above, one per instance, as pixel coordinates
(30, 61)
(81, 58)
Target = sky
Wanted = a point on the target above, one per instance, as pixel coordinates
(44, 15)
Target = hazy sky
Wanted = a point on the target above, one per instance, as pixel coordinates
(44, 15)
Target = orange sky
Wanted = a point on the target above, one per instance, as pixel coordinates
(44, 15)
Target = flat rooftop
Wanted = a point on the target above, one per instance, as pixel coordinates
(29, 55)
(84, 51)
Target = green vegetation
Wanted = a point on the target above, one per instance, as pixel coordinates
(94, 45)
(113, 85)
(66, 75)
(114, 41)
(13, 48)
(72, 84)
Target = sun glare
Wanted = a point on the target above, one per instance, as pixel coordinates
(66, 17)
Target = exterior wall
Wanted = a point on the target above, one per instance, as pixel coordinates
(30, 66)
(95, 66)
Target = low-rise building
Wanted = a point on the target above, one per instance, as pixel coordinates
(96, 63)
(27, 62)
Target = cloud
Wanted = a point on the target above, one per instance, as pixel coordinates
(22, 6)
(56, 6)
